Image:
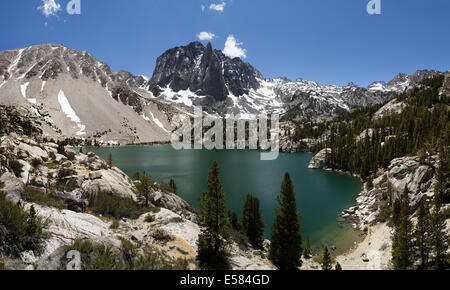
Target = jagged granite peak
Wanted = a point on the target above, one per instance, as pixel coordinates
(204, 71)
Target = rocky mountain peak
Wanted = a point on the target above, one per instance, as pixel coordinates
(204, 71)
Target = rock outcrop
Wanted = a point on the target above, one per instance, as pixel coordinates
(388, 185)
(319, 160)
(171, 229)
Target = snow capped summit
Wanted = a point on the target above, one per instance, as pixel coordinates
(124, 108)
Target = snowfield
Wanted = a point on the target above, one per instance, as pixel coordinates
(70, 113)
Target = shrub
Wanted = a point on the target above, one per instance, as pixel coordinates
(176, 220)
(101, 257)
(161, 236)
(36, 162)
(2, 267)
(19, 230)
(93, 256)
(149, 219)
(52, 165)
(16, 167)
(115, 224)
(70, 156)
(115, 207)
(32, 195)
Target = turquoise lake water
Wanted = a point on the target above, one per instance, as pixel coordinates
(321, 195)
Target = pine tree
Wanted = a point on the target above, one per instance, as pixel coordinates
(110, 160)
(144, 186)
(442, 188)
(338, 267)
(307, 249)
(439, 237)
(326, 260)
(212, 252)
(396, 211)
(173, 186)
(402, 253)
(233, 221)
(33, 230)
(252, 221)
(286, 243)
(422, 235)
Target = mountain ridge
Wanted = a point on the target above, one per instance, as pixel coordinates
(120, 107)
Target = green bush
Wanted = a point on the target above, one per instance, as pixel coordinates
(16, 167)
(385, 213)
(36, 162)
(94, 257)
(101, 257)
(115, 207)
(115, 224)
(149, 219)
(19, 230)
(52, 165)
(32, 195)
(161, 236)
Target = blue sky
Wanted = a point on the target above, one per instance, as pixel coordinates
(328, 41)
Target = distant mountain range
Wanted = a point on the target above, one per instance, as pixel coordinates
(74, 94)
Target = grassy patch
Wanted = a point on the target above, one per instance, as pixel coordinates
(51, 165)
(101, 257)
(115, 207)
(35, 196)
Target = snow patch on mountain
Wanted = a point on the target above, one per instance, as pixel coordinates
(16, 61)
(70, 113)
(158, 122)
(23, 90)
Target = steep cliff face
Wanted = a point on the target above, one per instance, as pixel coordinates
(203, 71)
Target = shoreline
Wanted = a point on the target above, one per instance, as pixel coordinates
(348, 238)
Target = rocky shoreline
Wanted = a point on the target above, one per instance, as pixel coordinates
(44, 170)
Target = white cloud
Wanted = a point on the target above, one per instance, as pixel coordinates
(49, 8)
(203, 7)
(206, 35)
(218, 7)
(233, 48)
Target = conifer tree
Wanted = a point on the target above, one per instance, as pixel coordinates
(422, 235)
(396, 211)
(286, 242)
(144, 186)
(252, 221)
(402, 253)
(110, 160)
(338, 267)
(326, 260)
(439, 237)
(33, 230)
(307, 249)
(173, 186)
(212, 253)
(442, 188)
(233, 221)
